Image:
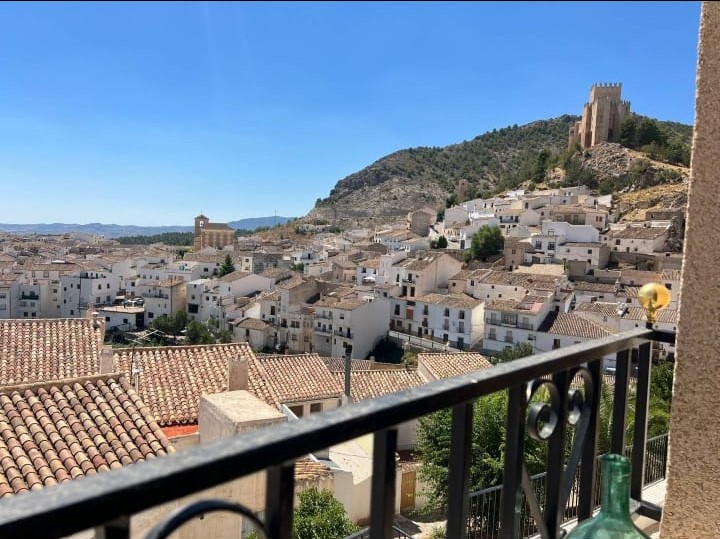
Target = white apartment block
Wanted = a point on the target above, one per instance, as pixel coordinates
(453, 319)
(87, 288)
(352, 323)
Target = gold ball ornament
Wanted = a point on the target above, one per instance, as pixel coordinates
(653, 297)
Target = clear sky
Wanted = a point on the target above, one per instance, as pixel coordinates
(149, 113)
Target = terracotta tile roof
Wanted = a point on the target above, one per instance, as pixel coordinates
(640, 232)
(599, 307)
(459, 301)
(527, 280)
(671, 275)
(573, 325)
(594, 287)
(173, 378)
(448, 365)
(234, 276)
(253, 323)
(371, 384)
(337, 364)
(311, 470)
(54, 432)
(666, 316)
(48, 349)
(294, 378)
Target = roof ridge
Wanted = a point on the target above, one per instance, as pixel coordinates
(61, 382)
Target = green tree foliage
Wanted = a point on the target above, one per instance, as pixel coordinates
(226, 267)
(440, 243)
(520, 349)
(662, 141)
(299, 267)
(168, 238)
(198, 333)
(170, 325)
(487, 241)
(578, 174)
(433, 445)
(321, 516)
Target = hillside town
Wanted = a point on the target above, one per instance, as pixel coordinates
(238, 332)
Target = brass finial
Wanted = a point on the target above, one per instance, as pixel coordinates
(653, 297)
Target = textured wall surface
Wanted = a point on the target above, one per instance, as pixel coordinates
(692, 504)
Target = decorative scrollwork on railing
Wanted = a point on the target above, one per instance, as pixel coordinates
(543, 419)
(184, 514)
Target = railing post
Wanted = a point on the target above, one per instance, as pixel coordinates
(279, 500)
(588, 461)
(382, 493)
(512, 471)
(555, 461)
(459, 473)
(619, 412)
(641, 417)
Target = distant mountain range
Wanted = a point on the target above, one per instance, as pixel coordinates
(116, 231)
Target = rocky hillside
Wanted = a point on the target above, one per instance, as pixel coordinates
(497, 160)
(424, 176)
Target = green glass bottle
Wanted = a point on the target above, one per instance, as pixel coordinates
(613, 521)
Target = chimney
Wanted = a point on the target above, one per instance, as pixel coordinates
(107, 361)
(237, 374)
(98, 325)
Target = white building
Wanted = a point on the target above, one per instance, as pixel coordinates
(351, 323)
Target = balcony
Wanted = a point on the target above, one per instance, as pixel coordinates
(105, 501)
(29, 296)
(324, 330)
(345, 334)
(323, 315)
(505, 323)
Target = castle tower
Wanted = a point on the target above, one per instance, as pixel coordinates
(602, 117)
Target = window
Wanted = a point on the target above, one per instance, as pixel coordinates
(151, 315)
(447, 312)
(556, 344)
(72, 312)
(316, 407)
(99, 287)
(107, 319)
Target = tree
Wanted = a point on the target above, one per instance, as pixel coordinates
(486, 469)
(440, 243)
(521, 349)
(170, 325)
(487, 241)
(321, 516)
(227, 266)
(197, 333)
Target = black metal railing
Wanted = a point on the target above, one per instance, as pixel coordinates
(484, 511)
(108, 500)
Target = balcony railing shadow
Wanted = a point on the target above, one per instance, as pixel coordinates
(108, 500)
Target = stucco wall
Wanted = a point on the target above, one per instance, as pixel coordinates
(692, 503)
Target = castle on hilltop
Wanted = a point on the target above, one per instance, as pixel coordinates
(602, 117)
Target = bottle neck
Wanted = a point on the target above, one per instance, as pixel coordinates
(616, 486)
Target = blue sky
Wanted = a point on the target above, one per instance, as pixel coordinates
(149, 113)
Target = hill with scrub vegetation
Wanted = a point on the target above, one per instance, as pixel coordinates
(650, 153)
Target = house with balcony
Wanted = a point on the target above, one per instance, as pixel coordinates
(510, 321)
(349, 325)
(162, 298)
(427, 273)
(452, 319)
